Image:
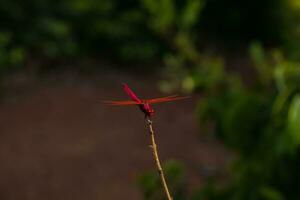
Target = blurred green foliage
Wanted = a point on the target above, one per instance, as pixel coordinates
(260, 123)
(257, 120)
(139, 30)
(53, 29)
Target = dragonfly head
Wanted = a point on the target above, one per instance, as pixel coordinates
(151, 112)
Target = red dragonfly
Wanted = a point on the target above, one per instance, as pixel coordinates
(143, 104)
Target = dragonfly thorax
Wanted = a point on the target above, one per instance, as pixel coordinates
(146, 108)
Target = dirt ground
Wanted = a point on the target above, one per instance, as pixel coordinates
(57, 142)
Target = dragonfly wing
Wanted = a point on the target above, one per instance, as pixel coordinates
(165, 99)
(120, 103)
(156, 99)
(130, 93)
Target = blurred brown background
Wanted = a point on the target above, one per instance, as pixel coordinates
(59, 142)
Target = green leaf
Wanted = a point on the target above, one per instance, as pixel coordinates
(294, 120)
(162, 13)
(269, 193)
(17, 56)
(191, 12)
(5, 39)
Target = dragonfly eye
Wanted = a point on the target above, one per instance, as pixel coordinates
(151, 113)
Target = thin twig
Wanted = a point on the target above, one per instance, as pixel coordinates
(157, 161)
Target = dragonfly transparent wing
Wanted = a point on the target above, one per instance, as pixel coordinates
(120, 103)
(166, 99)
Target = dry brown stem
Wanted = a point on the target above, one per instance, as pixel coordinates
(157, 161)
